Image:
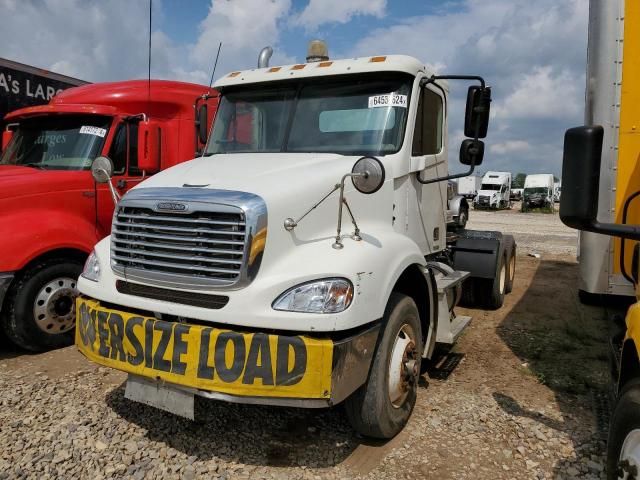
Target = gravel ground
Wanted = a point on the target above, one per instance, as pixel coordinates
(510, 409)
(534, 232)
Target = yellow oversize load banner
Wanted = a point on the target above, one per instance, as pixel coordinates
(251, 364)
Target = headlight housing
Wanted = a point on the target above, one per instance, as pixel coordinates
(329, 295)
(91, 269)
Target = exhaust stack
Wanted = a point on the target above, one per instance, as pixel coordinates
(263, 58)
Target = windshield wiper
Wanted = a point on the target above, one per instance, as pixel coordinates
(39, 166)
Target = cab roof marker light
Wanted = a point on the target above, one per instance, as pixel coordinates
(298, 67)
(274, 69)
(325, 64)
(378, 59)
(234, 74)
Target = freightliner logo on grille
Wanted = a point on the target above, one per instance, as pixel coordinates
(171, 206)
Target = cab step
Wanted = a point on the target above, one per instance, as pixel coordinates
(450, 325)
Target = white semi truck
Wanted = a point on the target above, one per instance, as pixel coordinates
(538, 191)
(304, 260)
(495, 191)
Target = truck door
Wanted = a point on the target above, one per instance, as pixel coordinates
(124, 154)
(429, 158)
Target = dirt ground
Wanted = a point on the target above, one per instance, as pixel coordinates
(522, 395)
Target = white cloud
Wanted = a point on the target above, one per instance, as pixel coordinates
(509, 146)
(319, 12)
(543, 93)
(101, 41)
(244, 27)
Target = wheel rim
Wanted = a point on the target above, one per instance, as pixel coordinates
(512, 267)
(629, 461)
(403, 366)
(462, 220)
(503, 277)
(53, 307)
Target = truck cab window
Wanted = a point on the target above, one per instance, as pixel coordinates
(118, 151)
(125, 148)
(427, 135)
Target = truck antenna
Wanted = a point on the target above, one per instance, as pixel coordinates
(149, 61)
(215, 64)
(213, 72)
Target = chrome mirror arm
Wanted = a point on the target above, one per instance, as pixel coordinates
(338, 242)
(290, 223)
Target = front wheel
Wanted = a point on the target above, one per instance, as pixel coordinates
(383, 405)
(623, 449)
(40, 308)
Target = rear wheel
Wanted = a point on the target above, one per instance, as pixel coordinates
(40, 311)
(491, 291)
(463, 217)
(510, 248)
(383, 405)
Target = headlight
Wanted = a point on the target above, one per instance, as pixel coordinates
(331, 295)
(91, 269)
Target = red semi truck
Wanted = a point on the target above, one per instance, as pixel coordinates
(53, 212)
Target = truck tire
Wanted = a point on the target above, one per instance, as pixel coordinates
(463, 216)
(510, 248)
(623, 447)
(40, 308)
(382, 406)
(491, 290)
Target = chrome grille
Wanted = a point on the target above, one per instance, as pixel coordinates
(203, 245)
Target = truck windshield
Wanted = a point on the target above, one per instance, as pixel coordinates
(57, 142)
(490, 186)
(351, 115)
(531, 190)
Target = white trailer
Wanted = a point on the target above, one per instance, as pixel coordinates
(538, 191)
(232, 277)
(495, 191)
(469, 186)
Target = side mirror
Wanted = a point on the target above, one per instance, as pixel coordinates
(581, 176)
(7, 135)
(202, 123)
(471, 152)
(476, 118)
(102, 169)
(149, 147)
(368, 175)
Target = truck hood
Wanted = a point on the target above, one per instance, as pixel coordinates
(275, 177)
(16, 181)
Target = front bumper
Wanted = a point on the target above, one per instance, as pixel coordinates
(5, 280)
(244, 367)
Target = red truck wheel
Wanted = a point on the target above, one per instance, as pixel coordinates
(40, 308)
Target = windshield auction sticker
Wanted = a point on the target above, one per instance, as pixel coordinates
(388, 100)
(97, 131)
(251, 364)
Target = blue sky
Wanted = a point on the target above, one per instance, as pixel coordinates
(532, 53)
